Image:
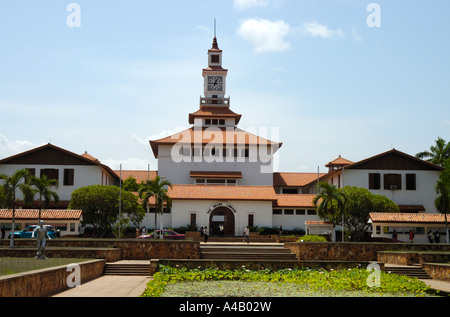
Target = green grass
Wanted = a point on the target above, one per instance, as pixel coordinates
(12, 265)
(174, 282)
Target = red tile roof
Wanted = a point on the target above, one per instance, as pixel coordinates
(214, 112)
(294, 179)
(140, 175)
(294, 200)
(407, 217)
(226, 136)
(339, 161)
(46, 214)
(220, 192)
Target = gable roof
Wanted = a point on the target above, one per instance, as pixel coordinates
(394, 160)
(220, 192)
(212, 135)
(214, 112)
(406, 217)
(46, 214)
(281, 179)
(50, 154)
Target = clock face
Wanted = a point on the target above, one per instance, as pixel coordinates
(215, 83)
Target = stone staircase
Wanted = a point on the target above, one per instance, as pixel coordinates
(128, 268)
(410, 271)
(243, 251)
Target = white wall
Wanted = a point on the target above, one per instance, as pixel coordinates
(262, 210)
(83, 176)
(423, 195)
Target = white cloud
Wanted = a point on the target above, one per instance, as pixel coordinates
(315, 29)
(265, 35)
(245, 4)
(9, 148)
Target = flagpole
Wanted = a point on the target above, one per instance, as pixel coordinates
(120, 199)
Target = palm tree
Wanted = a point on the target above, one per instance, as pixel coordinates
(442, 203)
(43, 187)
(330, 204)
(438, 153)
(156, 188)
(18, 180)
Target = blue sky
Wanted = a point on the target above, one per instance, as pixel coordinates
(314, 71)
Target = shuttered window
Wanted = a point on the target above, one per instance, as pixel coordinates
(374, 181)
(68, 176)
(392, 181)
(410, 181)
(51, 173)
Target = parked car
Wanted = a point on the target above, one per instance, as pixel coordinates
(167, 234)
(28, 232)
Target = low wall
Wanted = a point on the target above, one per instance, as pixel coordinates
(437, 271)
(130, 249)
(353, 251)
(46, 282)
(257, 265)
(412, 257)
(109, 254)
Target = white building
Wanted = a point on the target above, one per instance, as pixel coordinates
(71, 170)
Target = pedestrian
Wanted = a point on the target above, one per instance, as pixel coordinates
(247, 235)
(430, 236)
(137, 232)
(394, 236)
(280, 231)
(143, 231)
(437, 236)
(201, 231)
(205, 234)
(411, 236)
(3, 232)
(221, 230)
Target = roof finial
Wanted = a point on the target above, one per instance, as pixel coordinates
(214, 27)
(215, 45)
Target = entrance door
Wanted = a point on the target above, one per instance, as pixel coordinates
(222, 216)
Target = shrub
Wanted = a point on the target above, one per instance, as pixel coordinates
(312, 238)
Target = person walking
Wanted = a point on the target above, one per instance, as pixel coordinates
(205, 234)
(430, 236)
(437, 236)
(411, 236)
(247, 235)
(221, 230)
(3, 232)
(394, 236)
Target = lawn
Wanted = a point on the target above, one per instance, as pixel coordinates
(175, 282)
(12, 265)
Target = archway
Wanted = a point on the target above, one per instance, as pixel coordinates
(222, 216)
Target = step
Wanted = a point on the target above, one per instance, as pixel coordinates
(127, 269)
(408, 271)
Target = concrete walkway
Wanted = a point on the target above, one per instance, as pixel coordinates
(109, 286)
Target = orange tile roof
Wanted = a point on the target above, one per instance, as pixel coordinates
(339, 161)
(140, 175)
(407, 217)
(46, 214)
(227, 136)
(294, 179)
(231, 175)
(294, 200)
(215, 112)
(220, 192)
(318, 223)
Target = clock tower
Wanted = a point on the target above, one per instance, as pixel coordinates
(215, 78)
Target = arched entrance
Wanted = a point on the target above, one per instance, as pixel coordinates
(222, 216)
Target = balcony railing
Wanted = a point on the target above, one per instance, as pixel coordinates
(210, 101)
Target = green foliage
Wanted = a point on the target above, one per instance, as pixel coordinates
(100, 205)
(312, 238)
(319, 280)
(130, 184)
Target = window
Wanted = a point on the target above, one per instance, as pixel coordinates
(222, 121)
(251, 218)
(289, 211)
(277, 211)
(215, 121)
(374, 181)
(410, 181)
(215, 181)
(392, 181)
(215, 59)
(311, 211)
(32, 171)
(51, 173)
(289, 191)
(68, 176)
(300, 212)
(207, 121)
(193, 219)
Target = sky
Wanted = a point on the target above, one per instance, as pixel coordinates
(332, 77)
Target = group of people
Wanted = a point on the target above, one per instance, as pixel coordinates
(434, 236)
(205, 233)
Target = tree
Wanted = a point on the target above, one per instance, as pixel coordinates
(17, 181)
(329, 203)
(100, 205)
(442, 202)
(43, 187)
(437, 153)
(156, 188)
(130, 184)
(359, 203)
